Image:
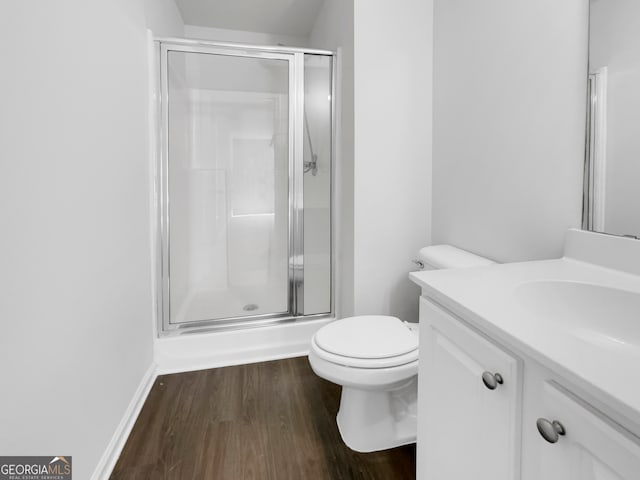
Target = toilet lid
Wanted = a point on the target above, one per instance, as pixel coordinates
(366, 363)
(368, 337)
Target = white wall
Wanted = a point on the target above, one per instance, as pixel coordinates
(509, 120)
(392, 168)
(240, 36)
(615, 44)
(74, 198)
(163, 18)
(333, 30)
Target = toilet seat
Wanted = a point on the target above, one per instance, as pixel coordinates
(368, 341)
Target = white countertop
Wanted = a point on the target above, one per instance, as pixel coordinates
(486, 297)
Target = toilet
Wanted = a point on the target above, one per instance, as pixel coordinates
(375, 360)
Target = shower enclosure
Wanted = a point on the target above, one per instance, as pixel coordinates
(245, 184)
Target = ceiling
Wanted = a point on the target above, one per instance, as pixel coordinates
(283, 17)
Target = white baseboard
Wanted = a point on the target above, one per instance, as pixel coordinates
(112, 453)
(236, 347)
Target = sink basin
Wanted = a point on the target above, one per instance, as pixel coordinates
(597, 314)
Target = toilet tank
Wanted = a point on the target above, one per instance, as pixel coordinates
(438, 257)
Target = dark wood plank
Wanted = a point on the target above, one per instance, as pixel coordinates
(264, 421)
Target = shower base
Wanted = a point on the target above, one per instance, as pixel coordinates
(221, 305)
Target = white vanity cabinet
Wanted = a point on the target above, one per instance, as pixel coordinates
(466, 429)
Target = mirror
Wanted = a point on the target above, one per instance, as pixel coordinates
(612, 166)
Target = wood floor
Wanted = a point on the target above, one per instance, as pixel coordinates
(264, 421)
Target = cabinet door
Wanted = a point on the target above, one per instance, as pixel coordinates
(592, 448)
(465, 430)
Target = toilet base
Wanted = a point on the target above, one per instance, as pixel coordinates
(371, 420)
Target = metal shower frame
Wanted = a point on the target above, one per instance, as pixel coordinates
(295, 57)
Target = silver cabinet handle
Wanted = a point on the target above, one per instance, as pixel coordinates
(492, 380)
(550, 430)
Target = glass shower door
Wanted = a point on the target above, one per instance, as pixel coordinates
(317, 183)
(227, 177)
